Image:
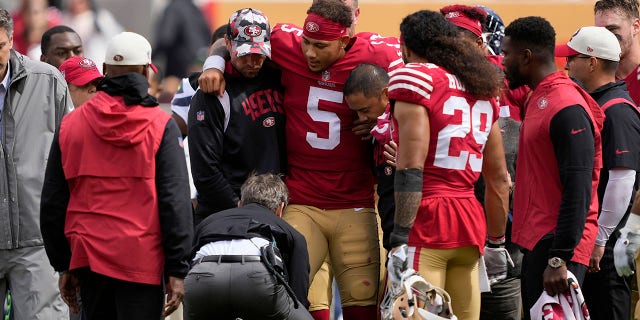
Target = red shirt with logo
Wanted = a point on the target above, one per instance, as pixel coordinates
(538, 188)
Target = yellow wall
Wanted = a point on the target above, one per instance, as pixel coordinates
(384, 16)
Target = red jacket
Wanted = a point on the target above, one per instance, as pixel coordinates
(538, 190)
(112, 221)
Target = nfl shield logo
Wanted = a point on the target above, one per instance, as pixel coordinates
(200, 115)
(326, 75)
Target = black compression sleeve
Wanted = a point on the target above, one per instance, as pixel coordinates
(572, 136)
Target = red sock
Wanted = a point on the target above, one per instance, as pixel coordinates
(320, 314)
(359, 313)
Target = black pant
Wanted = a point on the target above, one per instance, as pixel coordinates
(112, 299)
(386, 203)
(608, 295)
(534, 263)
(230, 290)
(503, 302)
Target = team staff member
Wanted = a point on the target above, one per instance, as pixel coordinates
(228, 264)
(329, 175)
(558, 167)
(115, 212)
(621, 17)
(33, 100)
(592, 58)
(437, 214)
(82, 77)
(242, 131)
(59, 44)
(366, 92)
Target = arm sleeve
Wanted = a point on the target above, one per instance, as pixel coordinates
(53, 210)
(571, 133)
(206, 141)
(615, 202)
(174, 205)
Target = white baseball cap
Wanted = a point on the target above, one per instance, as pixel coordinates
(591, 41)
(129, 49)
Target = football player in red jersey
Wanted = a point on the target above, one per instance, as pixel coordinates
(621, 17)
(471, 22)
(503, 302)
(445, 113)
(320, 292)
(559, 161)
(329, 178)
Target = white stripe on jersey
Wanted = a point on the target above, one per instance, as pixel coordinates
(414, 80)
(413, 71)
(415, 89)
(396, 64)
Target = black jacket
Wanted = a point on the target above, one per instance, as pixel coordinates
(232, 138)
(255, 220)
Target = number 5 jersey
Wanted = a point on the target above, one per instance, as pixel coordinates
(329, 166)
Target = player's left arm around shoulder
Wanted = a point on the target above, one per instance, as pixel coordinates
(494, 171)
(413, 126)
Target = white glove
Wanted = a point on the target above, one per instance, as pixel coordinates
(496, 260)
(627, 246)
(397, 263)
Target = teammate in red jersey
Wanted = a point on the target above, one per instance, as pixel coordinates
(470, 21)
(621, 17)
(446, 116)
(329, 178)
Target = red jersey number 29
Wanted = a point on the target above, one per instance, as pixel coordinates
(472, 121)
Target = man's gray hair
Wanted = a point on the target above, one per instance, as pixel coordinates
(267, 190)
(6, 22)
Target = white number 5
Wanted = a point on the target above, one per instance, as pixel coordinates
(471, 122)
(333, 139)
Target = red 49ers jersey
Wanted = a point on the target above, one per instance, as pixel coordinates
(392, 44)
(633, 84)
(449, 215)
(329, 167)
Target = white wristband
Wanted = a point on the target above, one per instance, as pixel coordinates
(214, 62)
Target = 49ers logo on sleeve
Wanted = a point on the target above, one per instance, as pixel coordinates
(269, 122)
(252, 30)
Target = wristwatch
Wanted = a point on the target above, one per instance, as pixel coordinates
(556, 262)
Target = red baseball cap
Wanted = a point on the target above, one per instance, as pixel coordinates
(79, 70)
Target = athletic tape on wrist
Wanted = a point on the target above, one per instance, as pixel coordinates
(408, 180)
